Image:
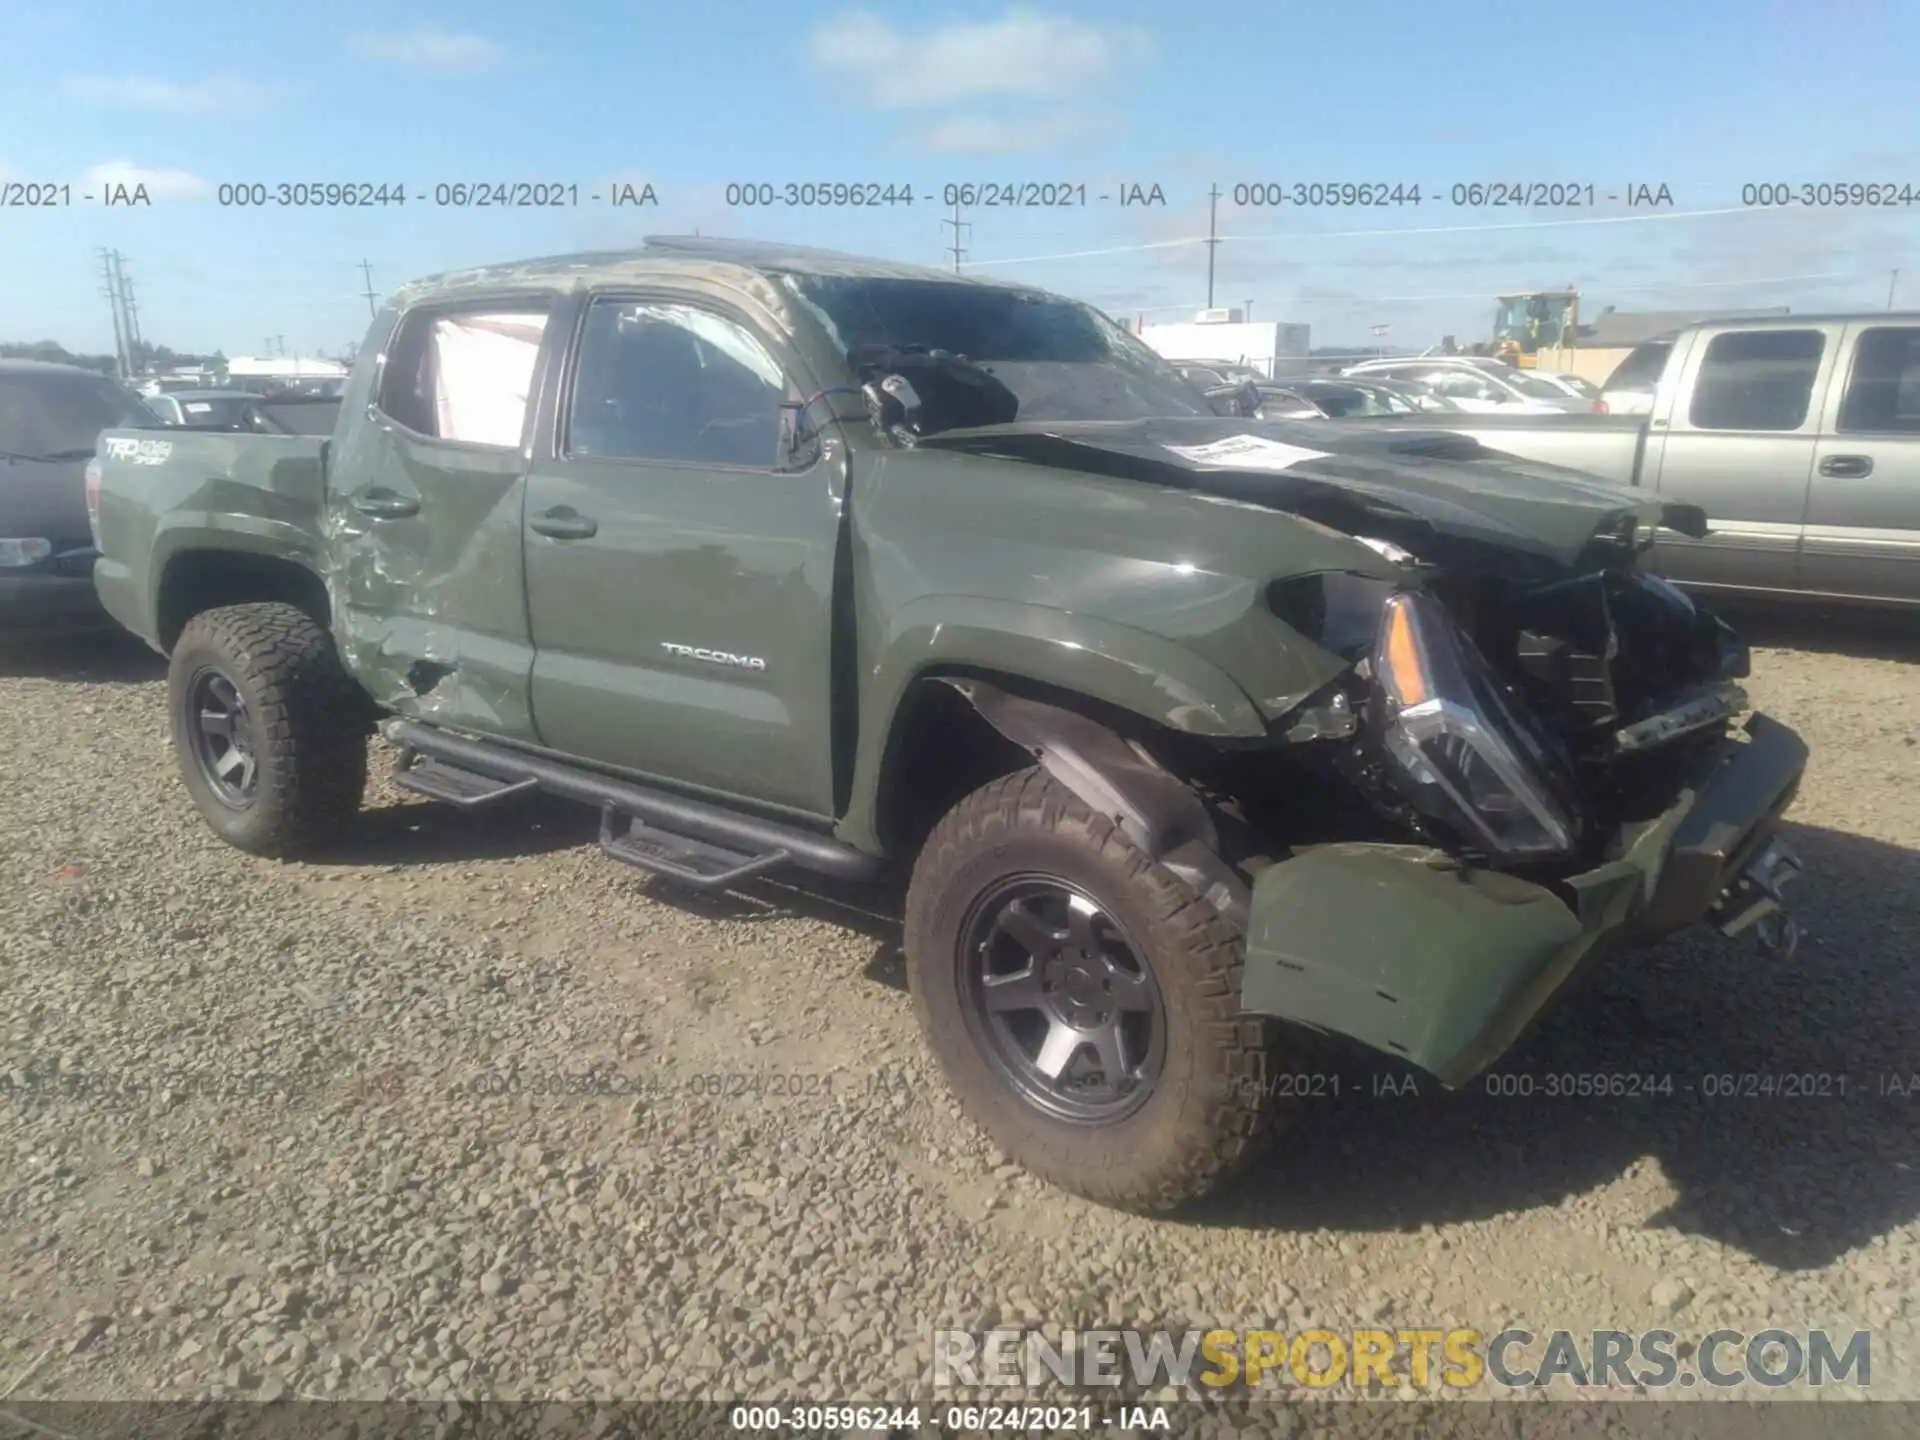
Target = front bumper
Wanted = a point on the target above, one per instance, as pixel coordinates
(1403, 948)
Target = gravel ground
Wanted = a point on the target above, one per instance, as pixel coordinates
(304, 1130)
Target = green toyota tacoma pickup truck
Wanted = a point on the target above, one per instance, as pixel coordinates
(1198, 739)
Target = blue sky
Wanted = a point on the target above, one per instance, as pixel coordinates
(1703, 97)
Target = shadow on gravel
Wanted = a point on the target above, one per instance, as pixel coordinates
(427, 834)
(89, 657)
(1857, 631)
(872, 911)
(1794, 1174)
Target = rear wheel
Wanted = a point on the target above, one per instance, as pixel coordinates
(269, 730)
(1084, 1001)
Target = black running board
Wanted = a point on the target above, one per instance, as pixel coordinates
(692, 841)
(679, 857)
(451, 785)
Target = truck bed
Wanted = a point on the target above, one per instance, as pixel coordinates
(163, 493)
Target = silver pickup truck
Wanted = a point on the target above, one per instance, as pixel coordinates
(1798, 435)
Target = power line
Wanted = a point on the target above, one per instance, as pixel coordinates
(366, 269)
(1368, 234)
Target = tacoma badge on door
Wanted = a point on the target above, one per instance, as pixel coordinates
(713, 657)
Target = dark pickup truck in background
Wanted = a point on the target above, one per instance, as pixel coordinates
(1798, 435)
(49, 418)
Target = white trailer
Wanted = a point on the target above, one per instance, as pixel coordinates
(1273, 347)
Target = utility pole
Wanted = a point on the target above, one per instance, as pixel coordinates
(1213, 236)
(111, 290)
(129, 308)
(1892, 285)
(367, 270)
(959, 227)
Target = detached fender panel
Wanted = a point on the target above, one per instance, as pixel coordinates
(1158, 811)
(1400, 948)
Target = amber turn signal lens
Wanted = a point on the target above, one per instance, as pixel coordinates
(1405, 676)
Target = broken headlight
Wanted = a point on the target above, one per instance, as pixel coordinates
(1461, 752)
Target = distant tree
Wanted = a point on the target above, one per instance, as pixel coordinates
(161, 357)
(55, 353)
(145, 356)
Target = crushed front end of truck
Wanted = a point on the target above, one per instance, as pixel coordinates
(1568, 770)
(1531, 751)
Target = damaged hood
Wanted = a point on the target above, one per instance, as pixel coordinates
(1402, 484)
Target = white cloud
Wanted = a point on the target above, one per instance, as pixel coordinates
(161, 184)
(141, 92)
(434, 49)
(1023, 53)
(988, 134)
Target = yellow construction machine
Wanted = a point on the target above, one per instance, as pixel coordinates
(1526, 324)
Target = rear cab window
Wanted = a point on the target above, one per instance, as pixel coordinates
(1756, 380)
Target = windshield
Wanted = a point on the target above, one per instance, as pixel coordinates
(1347, 401)
(1585, 389)
(1061, 359)
(1534, 386)
(214, 409)
(50, 412)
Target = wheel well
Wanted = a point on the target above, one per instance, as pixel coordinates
(941, 750)
(201, 580)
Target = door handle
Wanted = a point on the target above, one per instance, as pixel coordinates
(1847, 467)
(384, 504)
(563, 522)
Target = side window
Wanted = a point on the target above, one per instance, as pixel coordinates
(1756, 380)
(1883, 393)
(661, 381)
(463, 375)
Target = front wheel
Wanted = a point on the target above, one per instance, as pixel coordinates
(269, 730)
(1083, 1000)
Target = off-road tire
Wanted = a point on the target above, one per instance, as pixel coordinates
(311, 724)
(1212, 1110)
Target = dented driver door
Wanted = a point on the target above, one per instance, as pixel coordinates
(424, 512)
